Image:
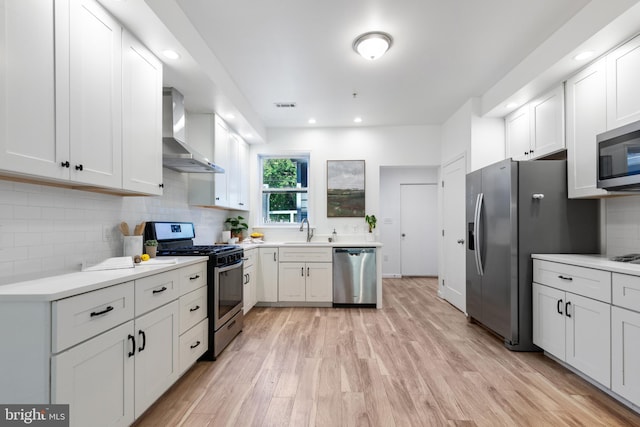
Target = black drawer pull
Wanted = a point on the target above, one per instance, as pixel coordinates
(559, 307)
(79, 167)
(159, 291)
(65, 164)
(565, 277)
(133, 345)
(100, 313)
(144, 340)
(197, 276)
(195, 345)
(197, 307)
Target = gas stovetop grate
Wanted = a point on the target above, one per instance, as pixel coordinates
(632, 258)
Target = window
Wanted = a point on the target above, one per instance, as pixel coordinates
(285, 189)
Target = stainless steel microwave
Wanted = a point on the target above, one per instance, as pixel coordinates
(619, 158)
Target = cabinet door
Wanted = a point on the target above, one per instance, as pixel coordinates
(588, 335)
(243, 168)
(319, 284)
(518, 134)
(221, 158)
(586, 113)
(249, 291)
(141, 118)
(233, 172)
(28, 74)
(549, 320)
(95, 95)
(625, 354)
(156, 361)
(267, 286)
(96, 379)
(547, 123)
(291, 281)
(623, 86)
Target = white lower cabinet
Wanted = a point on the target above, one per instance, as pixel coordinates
(267, 286)
(249, 295)
(305, 275)
(625, 354)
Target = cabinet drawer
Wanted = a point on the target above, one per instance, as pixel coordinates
(154, 291)
(249, 257)
(626, 291)
(193, 344)
(83, 316)
(193, 308)
(193, 277)
(583, 281)
(313, 254)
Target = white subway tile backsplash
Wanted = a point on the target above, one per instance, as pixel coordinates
(48, 229)
(622, 225)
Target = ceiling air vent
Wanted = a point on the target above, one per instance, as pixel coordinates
(285, 104)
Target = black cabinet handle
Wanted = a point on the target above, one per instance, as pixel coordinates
(565, 278)
(197, 276)
(559, 307)
(133, 345)
(566, 308)
(196, 308)
(274, 257)
(100, 313)
(159, 291)
(531, 152)
(195, 345)
(161, 185)
(65, 164)
(79, 167)
(526, 153)
(302, 271)
(307, 271)
(144, 340)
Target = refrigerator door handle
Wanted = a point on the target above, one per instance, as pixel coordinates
(476, 234)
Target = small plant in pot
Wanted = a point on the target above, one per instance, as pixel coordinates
(237, 225)
(150, 247)
(371, 221)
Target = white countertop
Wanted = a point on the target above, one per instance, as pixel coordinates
(55, 287)
(251, 245)
(600, 262)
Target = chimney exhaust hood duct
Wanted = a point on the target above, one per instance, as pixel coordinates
(176, 153)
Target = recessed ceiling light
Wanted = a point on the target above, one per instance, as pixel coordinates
(372, 45)
(247, 135)
(357, 120)
(230, 116)
(511, 105)
(584, 55)
(171, 54)
(312, 121)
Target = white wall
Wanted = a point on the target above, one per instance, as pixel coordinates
(378, 146)
(50, 229)
(389, 215)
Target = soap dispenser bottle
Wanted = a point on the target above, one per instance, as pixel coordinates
(334, 236)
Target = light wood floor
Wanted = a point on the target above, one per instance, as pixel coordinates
(417, 362)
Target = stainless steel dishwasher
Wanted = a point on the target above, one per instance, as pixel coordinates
(354, 276)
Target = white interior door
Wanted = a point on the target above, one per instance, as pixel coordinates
(419, 229)
(453, 210)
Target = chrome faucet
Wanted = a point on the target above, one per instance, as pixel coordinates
(309, 230)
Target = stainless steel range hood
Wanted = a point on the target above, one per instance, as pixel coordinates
(176, 153)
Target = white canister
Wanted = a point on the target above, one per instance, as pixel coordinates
(132, 245)
(226, 235)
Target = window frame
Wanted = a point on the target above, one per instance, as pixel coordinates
(296, 155)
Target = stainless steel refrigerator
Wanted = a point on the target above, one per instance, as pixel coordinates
(514, 209)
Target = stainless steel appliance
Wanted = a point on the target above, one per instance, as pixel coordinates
(224, 278)
(514, 209)
(354, 276)
(619, 158)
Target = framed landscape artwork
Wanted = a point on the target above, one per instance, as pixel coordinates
(345, 188)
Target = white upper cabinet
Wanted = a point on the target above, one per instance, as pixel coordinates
(29, 39)
(623, 85)
(221, 157)
(518, 134)
(95, 98)
(141, 118)
(536, 129)
(586, 116)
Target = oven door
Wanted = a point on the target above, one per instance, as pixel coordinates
(227, 295)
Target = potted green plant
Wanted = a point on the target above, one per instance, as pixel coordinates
(150, 247)
(371, 221)
(236, 225)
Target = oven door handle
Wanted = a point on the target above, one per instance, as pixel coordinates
(229, 267)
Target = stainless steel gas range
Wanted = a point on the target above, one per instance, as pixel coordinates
(224, 278)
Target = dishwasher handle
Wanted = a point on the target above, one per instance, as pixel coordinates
(353, 251)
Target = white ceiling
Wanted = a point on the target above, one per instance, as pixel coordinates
(243, 56)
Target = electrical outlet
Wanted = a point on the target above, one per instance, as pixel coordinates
(107, 233)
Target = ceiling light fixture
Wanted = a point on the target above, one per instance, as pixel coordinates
(357, 120)
(511, 105)
(312, 121)
(584, 55)
(372, 45)
(171, 54)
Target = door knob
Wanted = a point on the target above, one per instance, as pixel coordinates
(461, 241)
(403, 235)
